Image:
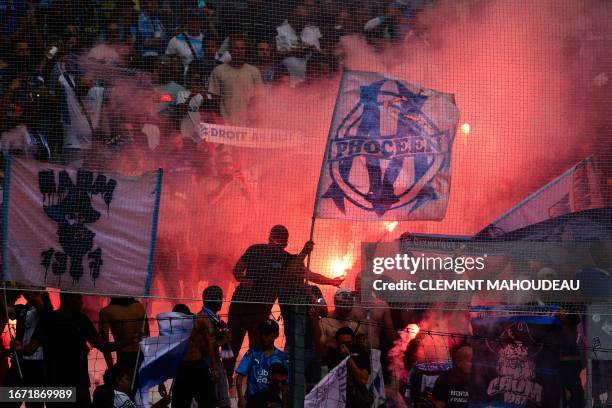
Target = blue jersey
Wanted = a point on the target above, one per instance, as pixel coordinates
(254, 365)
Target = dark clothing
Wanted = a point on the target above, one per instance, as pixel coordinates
(265, 266)
(264, 399)
(64, 339)
(361, 359)
(193, 382)
(570, 378)
(103, 397)
(128, 359)
(33, 376)
(357, 395)
(245, 318)
(452, 388)
(33, 370)
(299, 342)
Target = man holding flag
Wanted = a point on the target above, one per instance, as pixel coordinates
(198, 372)
(259, 271)
(387, 158)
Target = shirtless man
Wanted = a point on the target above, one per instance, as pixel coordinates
(196, 378)
(123, 317)
(344, 300)
(374, 317)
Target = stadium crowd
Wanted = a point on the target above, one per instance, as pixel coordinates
(64, 65)
(52, 346)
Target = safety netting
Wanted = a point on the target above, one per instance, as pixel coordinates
(428, 173)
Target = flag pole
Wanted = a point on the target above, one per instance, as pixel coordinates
(8, 326)
(297, 364)
(320, 184)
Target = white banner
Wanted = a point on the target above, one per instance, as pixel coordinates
(330, 392)
(79, 230)
(250, 137)
(575, 190)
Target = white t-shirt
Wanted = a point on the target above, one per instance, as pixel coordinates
(178, 46)
(77, 133)
(123, 401)
(287, 38)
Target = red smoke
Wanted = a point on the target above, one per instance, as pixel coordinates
(514, 81)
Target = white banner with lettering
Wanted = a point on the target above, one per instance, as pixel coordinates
(250, 137)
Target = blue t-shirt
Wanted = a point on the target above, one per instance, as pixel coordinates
(254, 365)
(147, 26)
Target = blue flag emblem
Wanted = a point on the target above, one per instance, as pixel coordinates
(388, 154)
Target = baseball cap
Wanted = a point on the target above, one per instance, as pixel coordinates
(268, 327)
(344, 296)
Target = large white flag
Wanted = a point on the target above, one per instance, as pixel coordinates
(163, 354)
(388, 151)
(79, 230)
(575, 190)
(330, 392)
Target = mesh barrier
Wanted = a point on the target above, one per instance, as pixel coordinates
(156, 148)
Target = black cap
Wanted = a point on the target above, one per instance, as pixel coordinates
(268, 327)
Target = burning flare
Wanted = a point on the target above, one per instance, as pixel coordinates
(339, 266)
(390, 225)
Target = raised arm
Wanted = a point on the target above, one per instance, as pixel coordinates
(324, 280)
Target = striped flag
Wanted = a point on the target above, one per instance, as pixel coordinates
(376, 381)
(163, 354)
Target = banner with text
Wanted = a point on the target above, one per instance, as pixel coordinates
(79, 230)
(250, 137)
